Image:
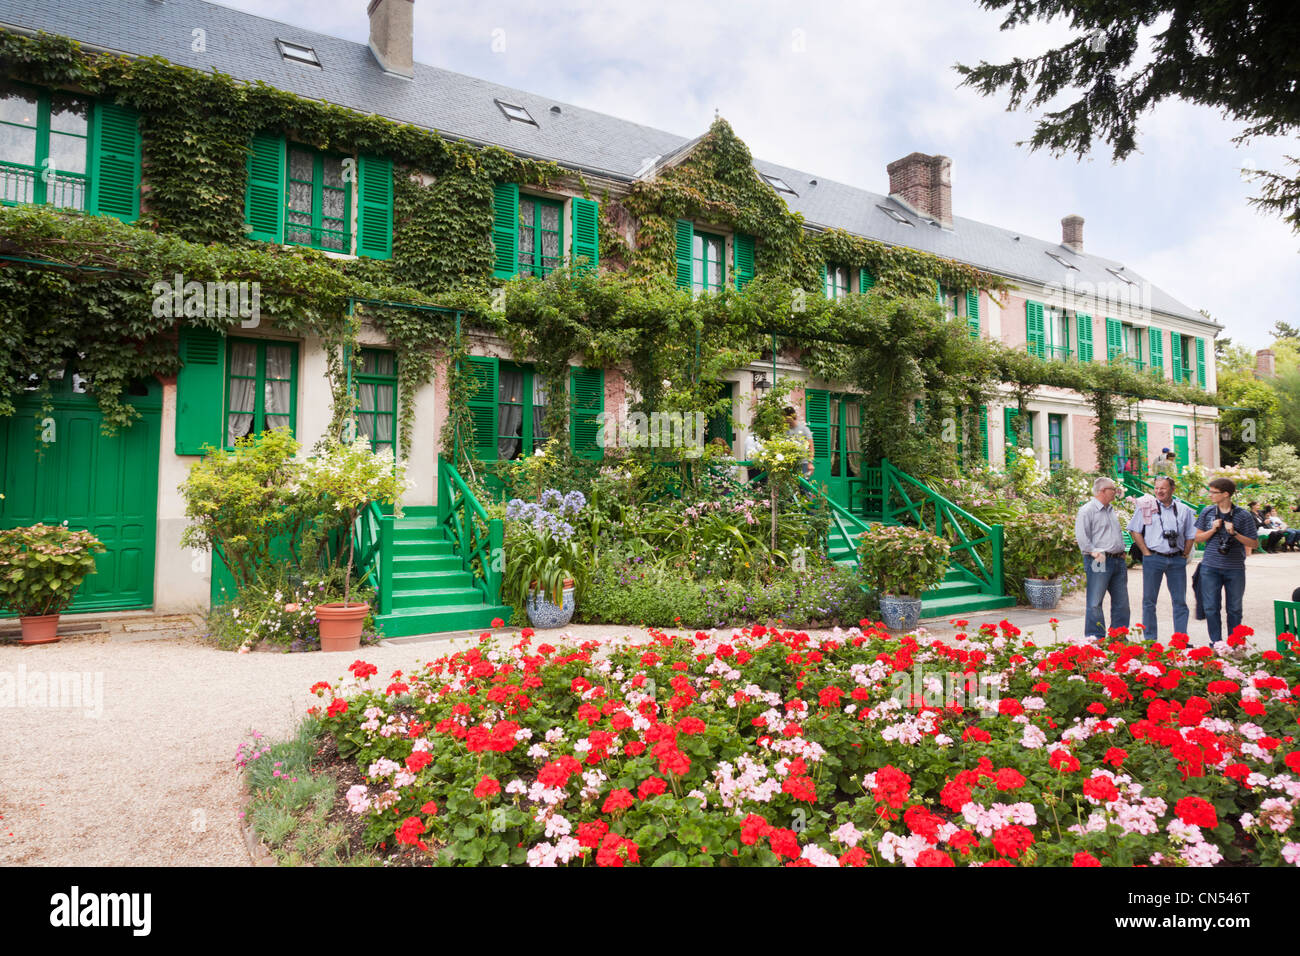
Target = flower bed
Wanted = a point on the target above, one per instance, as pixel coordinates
(764, 747)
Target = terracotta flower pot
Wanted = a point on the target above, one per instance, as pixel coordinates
(40, 630)
(340, 625)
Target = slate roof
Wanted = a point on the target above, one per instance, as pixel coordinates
(243, 46)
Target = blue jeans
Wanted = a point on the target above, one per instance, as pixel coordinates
(1155, 568)
(1114, 579)
(1232, 582)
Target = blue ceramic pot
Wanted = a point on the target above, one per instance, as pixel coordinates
(899, 613)
(542, 614)
(1043, 593)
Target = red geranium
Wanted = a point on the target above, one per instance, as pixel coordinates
(934, 858)
(617, 801)
(784, 843)
(487, 787)
(1196, 812)
(1085, 859)
(1012, 840)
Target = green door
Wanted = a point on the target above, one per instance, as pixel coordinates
(1180, 447)
(106, 485)
(844, 476)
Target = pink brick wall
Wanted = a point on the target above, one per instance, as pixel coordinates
(1159, 435)
(615, 392)
(1083, 428)
(1205, 445)
(1013, 322)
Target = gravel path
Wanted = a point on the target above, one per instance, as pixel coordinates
(150, 778)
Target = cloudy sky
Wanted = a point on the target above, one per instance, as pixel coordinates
(841, 88)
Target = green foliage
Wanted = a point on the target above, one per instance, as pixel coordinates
(279, 608)
(1040, 545)
(544, 551)
(42, 566)
(1256, 421)
(902, 561)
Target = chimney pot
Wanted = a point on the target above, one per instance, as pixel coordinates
(1072, 233)
(391, 35)
(923, 184)
(1264, 364)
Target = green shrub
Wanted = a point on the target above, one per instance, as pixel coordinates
(902, 561)
(41, 567)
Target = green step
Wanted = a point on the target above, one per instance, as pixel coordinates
(424, 580)
(435, 597)
(414, 547)
(427, 563)
(945, 607)
(417, 528)
(455, 617)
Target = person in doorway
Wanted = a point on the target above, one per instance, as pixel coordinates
(799, 431)
(1100, 538)
(1230, 533)
(1160, 463)
(1166, 536)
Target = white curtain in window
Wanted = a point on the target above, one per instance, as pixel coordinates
(852, 421)
(279, 371)
(243, 362)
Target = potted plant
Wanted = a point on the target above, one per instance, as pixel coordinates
(900, 564)
(41, 568)
(1040, 550)
(346, 478)
(545, 563)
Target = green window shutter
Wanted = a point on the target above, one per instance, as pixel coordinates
(375, 207)
(586, 216)
(822, 273)
(685, 238)
(264, 199)
(1157, 339)
(586, 404)
(865, 281)
(1176, 355)
(505, 230)
(482, 404)
(115, 162)
(742, 247)
(1114, 338)
(1035, 333)
(200, 391)
(938, 291)
(1200, 362)
(973, 312)
(817, 415)
(984, 432)
(1084, 335)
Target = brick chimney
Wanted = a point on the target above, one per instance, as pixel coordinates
(1072, 233)
(923, 184)
(391, 27)
(1264, 367)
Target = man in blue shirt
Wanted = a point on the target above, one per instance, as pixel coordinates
(1230, 533)
(1166, 535)
(1100, 536)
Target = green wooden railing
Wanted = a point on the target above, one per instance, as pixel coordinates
(866, 493)
(478, 538)
(372, 541)
(971, 538)
(1286, 620)
(845, 526)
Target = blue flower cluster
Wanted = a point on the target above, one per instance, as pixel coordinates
(547, 515)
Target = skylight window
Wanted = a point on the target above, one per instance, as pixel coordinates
(1121, 276)
(895, 215)
(298, 53)
(779, 184)
(1068, 265)
(515, 112)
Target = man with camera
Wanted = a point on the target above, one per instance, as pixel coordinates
(1230, 533)
(1100, 536)
(1166, 535)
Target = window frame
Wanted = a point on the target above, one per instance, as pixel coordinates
(699, 272)
(316, 230)
(43, 129)
(831, 288)
(1054, 318)
(1055, 431)
(259, 388)
(536, 268)
(377, 380)
(529, 439)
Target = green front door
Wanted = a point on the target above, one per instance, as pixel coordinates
(845, 451)
(1180, 447)
(106, 485)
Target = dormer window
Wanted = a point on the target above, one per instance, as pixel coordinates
(298, 53)
(779, 184)
(895, 215)
(515, 112)
(1061, 261)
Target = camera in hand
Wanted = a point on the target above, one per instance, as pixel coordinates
(1172, 538)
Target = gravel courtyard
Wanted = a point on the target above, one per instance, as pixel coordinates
(150, 778)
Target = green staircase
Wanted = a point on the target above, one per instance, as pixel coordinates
(431, 592)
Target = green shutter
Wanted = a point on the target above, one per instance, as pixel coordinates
(586, 245)
(200, 391)
(742, 247)
(505, 230)
(586, 403)
(823, 276)
(1114, 338)
(1035, 333)
(1084, 335)
(264, 199)
(973, 312)
(1176, 355)
(1157, 343)
(482, 404)
(938, 291)
(115, 162)
(984, 432)
(865, 281)
(817, 414)
(685, 239)
(1200, 362)
(375, 207)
